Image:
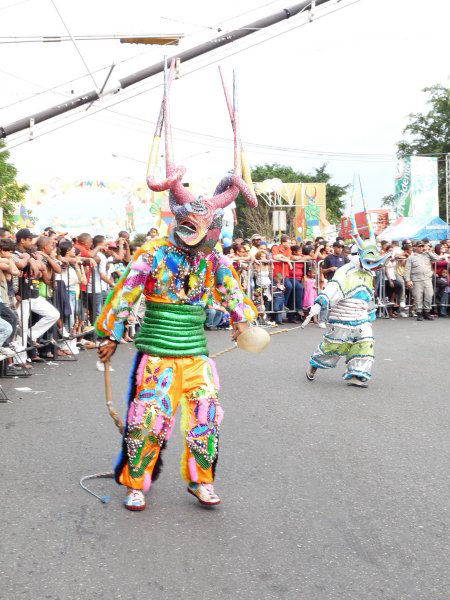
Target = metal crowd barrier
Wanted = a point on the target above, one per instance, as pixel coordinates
(83, 314)
(259, 275)
(252, 273)
(254, 276)
(382, 299)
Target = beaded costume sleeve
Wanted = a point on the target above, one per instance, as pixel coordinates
(231, 295)
(120, 301)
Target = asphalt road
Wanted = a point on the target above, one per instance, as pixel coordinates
(328, 492)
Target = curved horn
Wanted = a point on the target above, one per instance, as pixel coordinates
(227, 191)
(245, 190)
(168, 183)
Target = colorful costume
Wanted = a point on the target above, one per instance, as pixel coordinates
(178, 277)
(347, 304)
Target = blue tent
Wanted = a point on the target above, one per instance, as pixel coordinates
(416, 228)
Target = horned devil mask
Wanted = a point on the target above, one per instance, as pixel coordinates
(198, 220)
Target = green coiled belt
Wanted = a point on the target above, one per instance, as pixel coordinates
(172, 330)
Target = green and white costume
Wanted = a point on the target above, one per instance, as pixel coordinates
(347, 304)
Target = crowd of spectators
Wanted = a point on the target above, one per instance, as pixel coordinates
(284, 278)
(53, 286)
(52, 289)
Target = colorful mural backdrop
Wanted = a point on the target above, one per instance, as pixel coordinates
(96, 206)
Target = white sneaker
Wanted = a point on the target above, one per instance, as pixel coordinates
(322, 325)
(7, 352)
(204, 492)
(134, 500)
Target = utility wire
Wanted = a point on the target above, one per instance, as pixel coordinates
(242, 14)
(14, 4)
(80, 54)
(202, 27)
(227, 141)
(45, 90)
(188, 54)
(93, 113)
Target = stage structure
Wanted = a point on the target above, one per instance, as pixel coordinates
(308, 200)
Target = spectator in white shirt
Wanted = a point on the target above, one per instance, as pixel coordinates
(99, 281)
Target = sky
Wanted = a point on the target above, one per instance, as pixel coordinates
(340, 84)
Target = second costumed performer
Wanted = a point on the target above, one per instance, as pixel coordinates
(347, 304)
(178, 277)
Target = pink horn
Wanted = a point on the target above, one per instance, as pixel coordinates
(237, 184)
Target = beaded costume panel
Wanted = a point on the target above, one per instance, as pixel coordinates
(167, 274)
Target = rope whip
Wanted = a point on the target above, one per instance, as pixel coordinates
(118, 421)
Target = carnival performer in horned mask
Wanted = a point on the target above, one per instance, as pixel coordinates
(178, 277)
(348, 307)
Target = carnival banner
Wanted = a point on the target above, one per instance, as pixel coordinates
(416, 187)
(310, 210)
(309, 200)
(97, 206)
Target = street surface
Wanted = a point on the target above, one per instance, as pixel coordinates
(328, 492)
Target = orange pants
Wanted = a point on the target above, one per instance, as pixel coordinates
(161, 385)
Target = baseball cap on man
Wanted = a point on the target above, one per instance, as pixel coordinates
(24, 234)
(338, 245)
(255, 236)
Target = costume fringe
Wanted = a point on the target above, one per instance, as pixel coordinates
(131, 393)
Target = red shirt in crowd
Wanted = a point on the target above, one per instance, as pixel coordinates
(441, 264)
(278, 266)
(297, 270)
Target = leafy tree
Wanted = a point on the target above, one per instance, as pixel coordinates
(260, 219)
(11, 193)
(390, 201)
(429, 134)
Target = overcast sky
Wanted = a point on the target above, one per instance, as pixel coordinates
(343, 83)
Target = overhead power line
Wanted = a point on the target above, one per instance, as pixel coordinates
(186, 55)
(292, 151)
(14, 4)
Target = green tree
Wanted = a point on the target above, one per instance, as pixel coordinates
(11, 193)
(390, 201)
(260, 219)
(429, 133)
